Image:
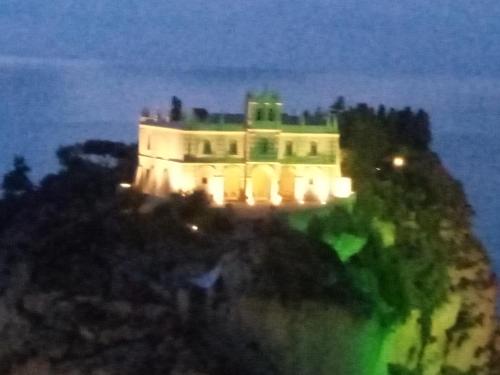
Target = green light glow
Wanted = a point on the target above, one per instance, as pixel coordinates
(346, 244)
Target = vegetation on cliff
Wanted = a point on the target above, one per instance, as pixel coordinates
(406, 229)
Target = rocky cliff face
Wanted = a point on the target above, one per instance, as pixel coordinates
(321, 338)
(247, 312)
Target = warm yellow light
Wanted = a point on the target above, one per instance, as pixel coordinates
(194, 227)
(250, 201)
(398, 161)
(301, 201)
(125, 185)
(342, 187)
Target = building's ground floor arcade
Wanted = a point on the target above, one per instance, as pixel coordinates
(251, 182)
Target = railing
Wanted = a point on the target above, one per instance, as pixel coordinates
(212, 159)
(271, 155)
(258, 125)
(309, 159)
(309, 128)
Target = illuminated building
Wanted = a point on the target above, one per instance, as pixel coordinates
(262, 156)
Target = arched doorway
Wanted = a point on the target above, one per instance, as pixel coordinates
(233, 177)
(203, 177)
(149, 181)
(261, 182)
(164, 187)
(287, 183)
(317, 184)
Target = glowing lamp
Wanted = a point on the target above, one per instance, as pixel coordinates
(194, 228)
(398, 161)
(125, 185)
(342, 187)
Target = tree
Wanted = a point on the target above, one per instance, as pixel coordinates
(422, 135)
(381, 112)
(338, 106)
(145, 112)
(16, 182)
(176, 109)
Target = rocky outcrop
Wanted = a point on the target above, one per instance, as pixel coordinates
(101, 289)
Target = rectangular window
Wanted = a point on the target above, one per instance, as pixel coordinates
(207, 148)
(289, 149)
(262, 145)
(314, 149)
(233, 148)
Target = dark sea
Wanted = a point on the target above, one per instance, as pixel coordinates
(43, 106)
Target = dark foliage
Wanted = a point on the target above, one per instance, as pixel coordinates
(16, 182)
(176, 109)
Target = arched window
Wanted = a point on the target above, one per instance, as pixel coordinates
(289, 148)
(314, 149)
(271, 115)
(259, 116)
(207, 147)
(233, 148)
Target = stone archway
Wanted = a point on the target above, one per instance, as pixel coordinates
(233, 177)
(287, 183)
(164, 186)
(262, 177)
(317, 187)
(149, 180)
(203, 177)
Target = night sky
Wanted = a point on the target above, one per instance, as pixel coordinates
(453, 37)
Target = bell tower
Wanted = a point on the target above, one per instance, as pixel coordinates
(263, 110)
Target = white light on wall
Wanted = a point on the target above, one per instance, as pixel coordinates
(193, 227)
(250, 201)
(300, 189)
(125, 185)
(217, 190)
(342, 187)
(321, 190)
(276, 200)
